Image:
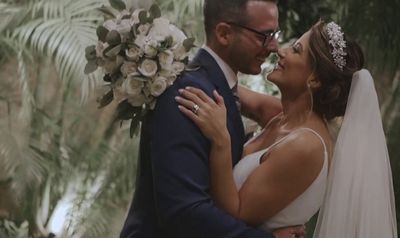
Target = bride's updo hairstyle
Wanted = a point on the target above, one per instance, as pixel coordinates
(333, 65)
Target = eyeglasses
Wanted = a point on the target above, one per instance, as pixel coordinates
(267, 37)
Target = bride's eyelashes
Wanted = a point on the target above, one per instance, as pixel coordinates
(296, 47)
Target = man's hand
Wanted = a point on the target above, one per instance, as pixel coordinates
(290, 232)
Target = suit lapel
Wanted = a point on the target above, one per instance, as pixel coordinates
(215, 75)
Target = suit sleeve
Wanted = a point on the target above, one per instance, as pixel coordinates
(181, 178)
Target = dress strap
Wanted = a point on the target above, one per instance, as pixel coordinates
(290, 133)
(318, 135)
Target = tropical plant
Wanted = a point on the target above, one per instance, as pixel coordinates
(45, 165)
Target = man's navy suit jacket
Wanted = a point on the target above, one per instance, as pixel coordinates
(172, 194)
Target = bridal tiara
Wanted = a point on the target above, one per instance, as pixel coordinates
(338, 44)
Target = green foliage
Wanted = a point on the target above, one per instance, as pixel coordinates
(9, 229)
(296, 17)
(118, 4)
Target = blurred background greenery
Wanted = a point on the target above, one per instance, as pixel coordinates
(65, 166)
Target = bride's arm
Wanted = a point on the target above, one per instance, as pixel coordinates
(257, 106)
(213, 125)
(290, 168)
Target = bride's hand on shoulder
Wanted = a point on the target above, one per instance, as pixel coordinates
(207, 114)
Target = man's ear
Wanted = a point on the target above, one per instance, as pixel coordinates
(223, 33)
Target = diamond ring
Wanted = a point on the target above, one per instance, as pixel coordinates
(195, 108)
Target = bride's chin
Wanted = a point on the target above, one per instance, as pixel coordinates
(272, 76)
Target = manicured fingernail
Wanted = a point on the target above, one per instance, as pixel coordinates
(177, 98)
(188, 88)
(180, 90)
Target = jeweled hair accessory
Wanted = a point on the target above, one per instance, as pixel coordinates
(338, 44)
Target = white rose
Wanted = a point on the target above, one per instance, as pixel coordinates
(148, 68)
(119, 94)
(132, 85)
(134, 53)
(124, 29)
(150, 51)
(165, 59)
(110, 24)
(176, 34)
(177, 67)
(171, 79)
(129, 68)
(179, 52)
(141, 41)
(160, 29)
(137, 100)
(158, 86)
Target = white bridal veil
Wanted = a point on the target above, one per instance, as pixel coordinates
(359, 201)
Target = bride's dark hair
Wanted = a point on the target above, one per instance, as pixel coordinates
(330, 99)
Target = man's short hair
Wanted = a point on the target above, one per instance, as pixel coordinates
(216, 11)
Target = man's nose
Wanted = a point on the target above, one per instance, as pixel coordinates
(273, 45)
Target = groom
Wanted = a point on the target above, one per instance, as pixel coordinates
(172, 196)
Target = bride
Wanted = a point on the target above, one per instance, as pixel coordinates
(293, 168)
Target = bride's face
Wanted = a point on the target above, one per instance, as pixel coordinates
(293, 68)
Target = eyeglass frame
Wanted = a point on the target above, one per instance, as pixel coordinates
(270, 36)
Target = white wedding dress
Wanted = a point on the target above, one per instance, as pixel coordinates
(300, 210)
(356, 199)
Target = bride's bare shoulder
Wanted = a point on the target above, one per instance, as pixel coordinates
(300, 149)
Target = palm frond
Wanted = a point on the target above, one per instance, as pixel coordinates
(186, 14)
(62, 29)
(27, 98)
(9, 150)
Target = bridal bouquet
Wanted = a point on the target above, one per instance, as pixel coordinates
(141, 54)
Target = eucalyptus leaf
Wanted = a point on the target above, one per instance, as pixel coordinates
(155, 11)
(107, 78)
(142, 17)
(90, 67)
(118, 4)
(124, 17)
(90, 52)
(126, 111)
(106, 99)
(167, 43)
(113, 38)
(102, 32)
(135, 124)
(150, 19)
(188, 43)
(112, 51)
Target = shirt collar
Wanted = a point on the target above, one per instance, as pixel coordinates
(230, 76)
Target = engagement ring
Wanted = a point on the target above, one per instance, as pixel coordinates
(195, 108)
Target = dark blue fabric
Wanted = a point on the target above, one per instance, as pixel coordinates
(173, 182)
